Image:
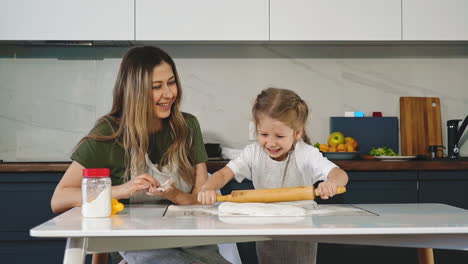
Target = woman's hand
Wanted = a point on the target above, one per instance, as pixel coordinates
(327, 189)
(207, 197)
(167, 190)
(138, 184)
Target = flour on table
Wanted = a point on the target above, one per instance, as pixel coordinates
(300, 209)
(261, 209)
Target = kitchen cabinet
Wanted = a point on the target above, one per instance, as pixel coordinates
(435, 19)
(67, 20)
(25, 202)
(201, 20)
(335, 20)
(448, 187)
(24, 195)
(379, 187)
(234, 20)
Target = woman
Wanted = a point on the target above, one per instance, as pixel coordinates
(144, 126)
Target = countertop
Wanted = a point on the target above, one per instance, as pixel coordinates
(347, 165)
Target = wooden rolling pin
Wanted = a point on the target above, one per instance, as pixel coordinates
(273, 195)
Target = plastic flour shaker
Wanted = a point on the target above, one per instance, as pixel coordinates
(96, 193)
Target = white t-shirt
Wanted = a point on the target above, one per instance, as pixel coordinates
(305, 165)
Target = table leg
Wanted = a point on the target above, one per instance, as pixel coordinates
(75, 250)
(100, 258)
(425, 256)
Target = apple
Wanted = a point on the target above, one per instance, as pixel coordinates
(336, 138)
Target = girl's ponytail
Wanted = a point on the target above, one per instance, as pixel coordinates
(302, 113)
(305, 137)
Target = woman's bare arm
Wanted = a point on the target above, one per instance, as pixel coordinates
(179, 197)
(67, 194)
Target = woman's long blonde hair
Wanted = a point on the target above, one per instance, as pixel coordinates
(132, 111)
(283, 105)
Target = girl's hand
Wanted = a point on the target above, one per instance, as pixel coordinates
(207, 197)
(327, 189)
(137, 184)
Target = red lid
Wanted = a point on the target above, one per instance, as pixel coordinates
(94, 173)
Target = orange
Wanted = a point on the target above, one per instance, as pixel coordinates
(324, 148)
(349, 147)
(341, 148)
(352, 141)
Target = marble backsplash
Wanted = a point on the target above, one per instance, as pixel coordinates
(51, 96)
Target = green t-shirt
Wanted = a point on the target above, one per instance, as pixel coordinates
(109, 154)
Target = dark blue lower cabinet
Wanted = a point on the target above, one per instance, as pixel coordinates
(366, 187)
(372, 187)
(447, 187)
(340, 253)
(25, 201)
(233, 185)
(18, 247)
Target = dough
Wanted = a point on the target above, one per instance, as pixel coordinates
(260, 209)
(249, 220)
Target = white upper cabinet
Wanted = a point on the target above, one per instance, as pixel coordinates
(435, 20)
(335, 20)
(67, 20)
(201, 19)
(234, 20)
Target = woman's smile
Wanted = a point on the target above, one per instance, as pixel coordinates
(164, 106)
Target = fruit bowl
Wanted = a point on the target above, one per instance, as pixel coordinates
(341, 155)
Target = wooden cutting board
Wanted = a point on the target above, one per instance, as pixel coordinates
(420, 124)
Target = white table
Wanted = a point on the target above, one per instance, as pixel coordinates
(144, 227)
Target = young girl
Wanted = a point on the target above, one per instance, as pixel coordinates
(282, 157)
(144, 126)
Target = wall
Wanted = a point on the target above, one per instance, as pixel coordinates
(50, 96)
